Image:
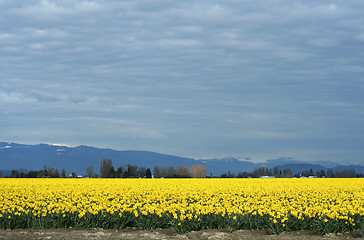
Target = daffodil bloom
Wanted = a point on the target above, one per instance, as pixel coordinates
(279, 200)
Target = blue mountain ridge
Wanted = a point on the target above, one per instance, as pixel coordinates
(77, 159)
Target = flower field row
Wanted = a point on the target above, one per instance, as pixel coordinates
(326, 205)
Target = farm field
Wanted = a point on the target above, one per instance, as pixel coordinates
(163, 234)
(184, 205)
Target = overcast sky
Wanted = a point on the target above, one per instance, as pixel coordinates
(244, 78)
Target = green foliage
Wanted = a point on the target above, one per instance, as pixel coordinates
(148, 173)
(120, 220)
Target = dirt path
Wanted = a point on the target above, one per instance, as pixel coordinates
(158, 234)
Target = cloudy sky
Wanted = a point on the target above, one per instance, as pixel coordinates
(243, 78)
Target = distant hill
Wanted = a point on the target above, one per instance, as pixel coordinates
(35, 157)
(218, 166)
(15, 156)
(358, 169)
(271, 163)
(298, 168)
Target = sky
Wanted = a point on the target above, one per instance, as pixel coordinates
(244, 78)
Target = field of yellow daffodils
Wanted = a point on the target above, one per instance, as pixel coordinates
(326, 205)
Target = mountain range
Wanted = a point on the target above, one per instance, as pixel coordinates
(14, 156)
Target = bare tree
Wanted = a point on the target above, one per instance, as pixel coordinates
(198, 171)
(275, 172)
(156, 172)
(182, 172)
(53, 173)
(90, 172)
(105, 168)
(170, 172)
(346, 173)
(163, 172)
(330, 173)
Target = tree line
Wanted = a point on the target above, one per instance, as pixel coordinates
(43, 173)
(287, 173)
(107, 170)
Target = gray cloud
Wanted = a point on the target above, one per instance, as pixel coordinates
(189, 78)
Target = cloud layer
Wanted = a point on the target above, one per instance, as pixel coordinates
(193, 78)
